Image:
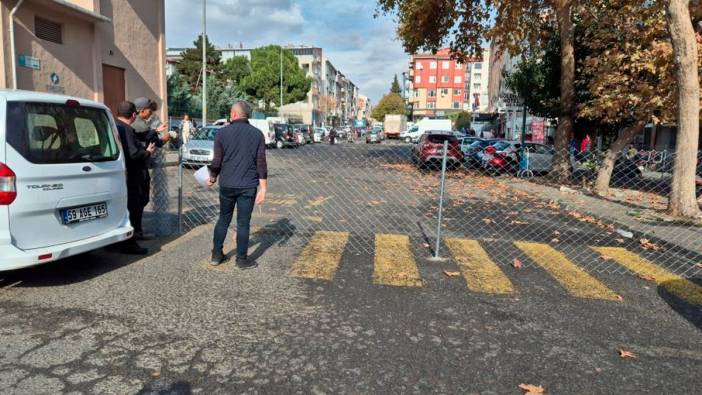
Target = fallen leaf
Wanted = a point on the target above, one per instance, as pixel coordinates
(619, 240)
(647, 245)
(699, 265)
(426, 245)
(452, 274)
(517, 264)
(647, 277)
(557, 233)
(531, 389)
(606, 258)
(518, 223)
(488, 221)
(156, 375)
(619, 298)
(555, 241)
(626, 354)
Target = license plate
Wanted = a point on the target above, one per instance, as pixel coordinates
(84, 213)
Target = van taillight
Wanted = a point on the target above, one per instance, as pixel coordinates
(8, 186)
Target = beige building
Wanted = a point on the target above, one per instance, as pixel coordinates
(104, 50)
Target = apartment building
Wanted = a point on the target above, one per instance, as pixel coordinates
(439, 85)
(103, 50)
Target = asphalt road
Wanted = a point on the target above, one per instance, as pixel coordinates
(346, 299)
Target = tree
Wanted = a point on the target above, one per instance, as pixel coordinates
(190, 66)
(180, 98)
(627, 73)
(395, 88)
(263, 83)
(515, 25)
(220, 97)
(462, 121)
(391, 103)
(686, 58)
(236, 69)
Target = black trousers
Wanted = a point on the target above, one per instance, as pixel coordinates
(230, 198)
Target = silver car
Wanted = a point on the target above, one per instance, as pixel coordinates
(199, 150)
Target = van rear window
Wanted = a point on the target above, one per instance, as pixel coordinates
(440, 138)
(46, 133)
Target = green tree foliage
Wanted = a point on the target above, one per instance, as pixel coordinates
(263, 83)
(391, 103)
(395, 88)
(536, 80)
(180, 98)
(220, 97)
(190, 66)
(462, 120)
(236, 69)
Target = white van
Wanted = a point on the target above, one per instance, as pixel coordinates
(265, 127)
(62, 180)
(415, 132)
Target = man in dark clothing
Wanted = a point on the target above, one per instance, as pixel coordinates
(136, 157)
(240, 164)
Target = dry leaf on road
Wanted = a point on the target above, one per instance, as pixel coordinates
(619, 298)
(452, 274)
(626, 354)
(647, 277)
(646, 244)
(156, 375)
(531, 389)
(517, 264)
(488, 221)
(555, 241)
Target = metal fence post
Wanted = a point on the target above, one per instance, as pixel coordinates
(441, 201)
(180, 181)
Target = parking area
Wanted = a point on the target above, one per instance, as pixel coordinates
(535, 286)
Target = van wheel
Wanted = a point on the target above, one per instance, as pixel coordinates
(279, 144)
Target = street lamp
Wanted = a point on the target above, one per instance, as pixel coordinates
(204, 63)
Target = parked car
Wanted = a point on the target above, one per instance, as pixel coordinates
(540, 157)
(307, 132)
(199, 150)
(474, 151)
(429, 152)
(374, 137)
(500, 156)
(284, 135)
(319, 134)
(466, 143)
(62, 182)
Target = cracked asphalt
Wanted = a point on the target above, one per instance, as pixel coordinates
(170, 324)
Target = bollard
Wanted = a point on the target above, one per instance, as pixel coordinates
(441, 201)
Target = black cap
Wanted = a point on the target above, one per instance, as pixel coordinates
(126, 109)
(142, 103)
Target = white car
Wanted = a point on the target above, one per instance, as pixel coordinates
(199, 150)
(62, 180)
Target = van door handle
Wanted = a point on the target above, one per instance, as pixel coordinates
(87, 168)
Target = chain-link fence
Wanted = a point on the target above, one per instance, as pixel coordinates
(501, 198)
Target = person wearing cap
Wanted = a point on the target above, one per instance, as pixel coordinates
(143, 123)
(136, 157)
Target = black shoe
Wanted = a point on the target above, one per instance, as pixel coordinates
(243, 263)
(218, 258)
(134, 249)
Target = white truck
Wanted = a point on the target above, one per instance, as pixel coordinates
(413, 134)
(394, 125)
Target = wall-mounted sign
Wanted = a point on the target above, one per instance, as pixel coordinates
(30, 62)
(54, 79)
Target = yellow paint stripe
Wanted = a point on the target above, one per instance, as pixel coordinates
(321, 257)
(480, 272)
(676, 285)
(394, 262)
(574, 279)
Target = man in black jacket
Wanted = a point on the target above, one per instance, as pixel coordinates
(240, 165)
(136, 158)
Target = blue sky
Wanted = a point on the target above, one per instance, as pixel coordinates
(361, 46)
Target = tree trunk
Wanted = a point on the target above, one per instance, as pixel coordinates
(682, 194)
(604, 175)
(564, 133)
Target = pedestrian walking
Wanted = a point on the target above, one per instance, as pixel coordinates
(239, 165)
(332, 137)
(136, 157)
(186, 127)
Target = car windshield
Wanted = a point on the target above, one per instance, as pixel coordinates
(206, 134)
(440, 138)
(501, 145)
(46, 133)
(480, 144)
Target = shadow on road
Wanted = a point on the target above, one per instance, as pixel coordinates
(688, 311)
(276, 233)
(179, 388)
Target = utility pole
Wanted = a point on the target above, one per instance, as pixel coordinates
(204, 63)
(280, 109)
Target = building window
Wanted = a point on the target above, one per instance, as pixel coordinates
(456, 105)
(416, 93)
(418, 79)
(476, 86)
(459, 66)
(444, 78)
(457, 92)
(466, 96)
(457, 79)
(478, 76)
(432, 65)
(432, 93)
(445, 65)
(444, 92)
(48, 30)
(478, 66)
(419, 65)
(432, 79)
(430, 105)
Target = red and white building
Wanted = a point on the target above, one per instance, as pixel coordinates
(440, 85)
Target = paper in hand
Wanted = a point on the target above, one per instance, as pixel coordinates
(202, 176)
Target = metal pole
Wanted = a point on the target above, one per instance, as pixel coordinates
(441, 201)
(204, 63)
(180, 181)
(523, 137)
(280, 110)
(13, 50)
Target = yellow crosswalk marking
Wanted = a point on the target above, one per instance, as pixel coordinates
(574, 279)
(394, 262)
(480, 272)
(321, 257)
(676, 285)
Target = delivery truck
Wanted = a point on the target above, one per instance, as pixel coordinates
(394, 125)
